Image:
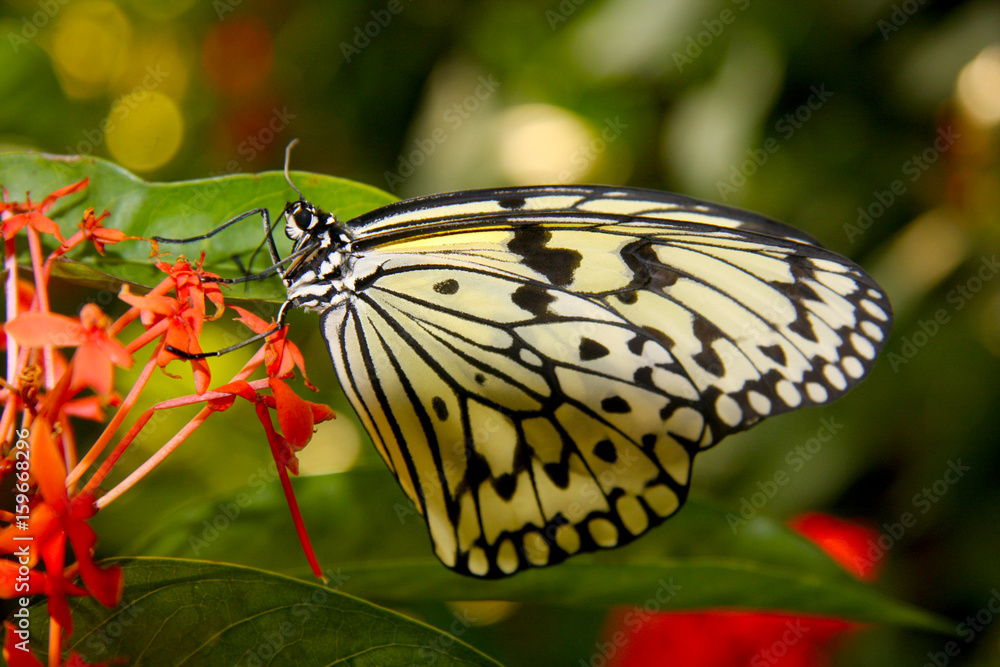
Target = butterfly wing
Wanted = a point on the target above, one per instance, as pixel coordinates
(540, 380)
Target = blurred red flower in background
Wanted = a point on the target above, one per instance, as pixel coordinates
(725, 638)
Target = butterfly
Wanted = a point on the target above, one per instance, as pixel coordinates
(539, 366)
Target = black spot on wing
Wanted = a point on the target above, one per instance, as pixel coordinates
(449, 286)
(644, 377)
(615, 404)
(440, 408)
(590, 349)
(628, 297)
(505, 485)
(605, 450)
(557, 264)
(533, 299)
(647, 269)
(480, 378)
(477, 470)
(636, 344)
(511, 203)
(776, 353)
(707, 358)
(801, 324)
(558, 473)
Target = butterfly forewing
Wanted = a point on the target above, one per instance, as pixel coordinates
(539, 366)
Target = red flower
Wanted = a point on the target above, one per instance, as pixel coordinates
(182, 317)
(97, 351)
(192, 288)
(92, 229)
(296, 416)
(845, 542)
(34, 216)
(723, 638)
(54, 521)
(281, 356)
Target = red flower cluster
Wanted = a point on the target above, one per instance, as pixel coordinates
(722, 638)
(47, 541)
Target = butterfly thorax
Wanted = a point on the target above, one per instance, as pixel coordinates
(321, 278)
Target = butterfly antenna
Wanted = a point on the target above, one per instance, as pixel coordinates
(288, 159)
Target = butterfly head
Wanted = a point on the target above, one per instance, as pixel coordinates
(303, 219)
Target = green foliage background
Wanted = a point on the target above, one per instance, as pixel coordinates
(804, 111)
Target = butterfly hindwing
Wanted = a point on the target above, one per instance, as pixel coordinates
(520, 444)
(539, 366)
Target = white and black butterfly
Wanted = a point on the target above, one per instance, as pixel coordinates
(539, 366)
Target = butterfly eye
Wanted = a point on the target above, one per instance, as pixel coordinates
(303, 218)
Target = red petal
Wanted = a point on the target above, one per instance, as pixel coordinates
(92, 369)
(113, 350)
(54, 554)
(158, 304)
(8, 581)
(13, 224)
(295, 418)
(110, 235)
(12, 654)
(221, 404)
(62, 192)
(36, 329)
(88, 407)
(202, 375)
(47, 466)
(239, 388)
(45, 225)
(254, 323)
(846, 542)
(105, 584)
(321, 412)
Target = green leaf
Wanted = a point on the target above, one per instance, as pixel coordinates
(174, 210)
(365, 531)
(187, 612)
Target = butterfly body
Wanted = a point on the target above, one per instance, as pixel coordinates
(539, 366)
